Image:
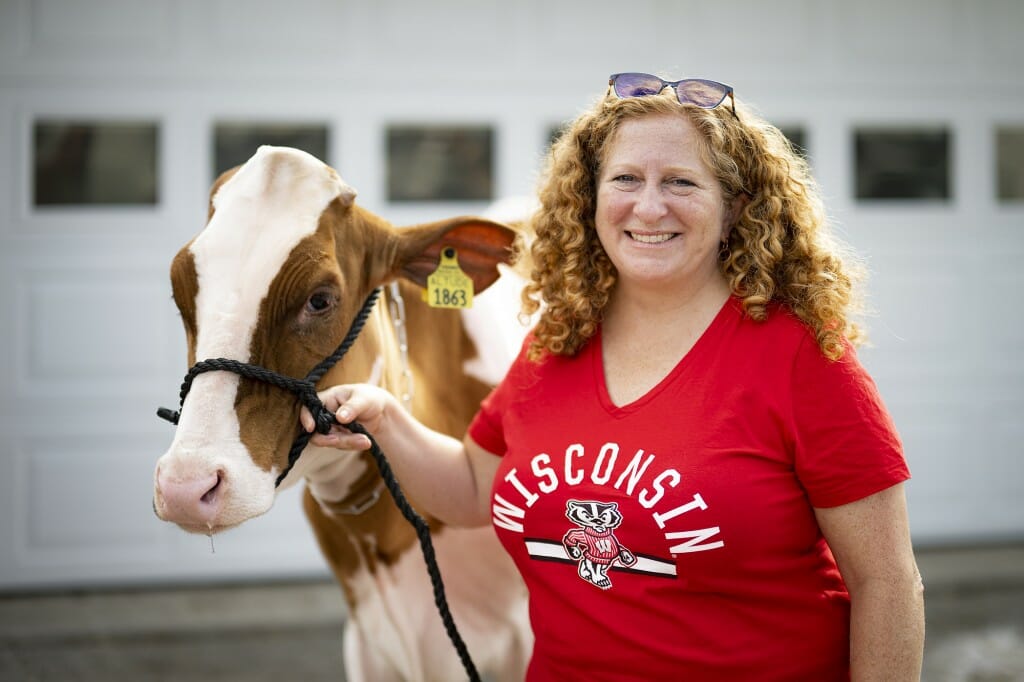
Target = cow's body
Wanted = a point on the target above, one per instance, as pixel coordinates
(274, 280)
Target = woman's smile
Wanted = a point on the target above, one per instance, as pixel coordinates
(651, 237)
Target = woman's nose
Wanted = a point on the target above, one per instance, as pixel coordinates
(650, 204)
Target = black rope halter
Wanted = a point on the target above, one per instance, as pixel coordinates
(305, 390)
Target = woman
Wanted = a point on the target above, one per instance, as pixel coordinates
(692, 471)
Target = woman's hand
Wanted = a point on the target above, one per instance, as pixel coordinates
(448, 478)
(367, 404)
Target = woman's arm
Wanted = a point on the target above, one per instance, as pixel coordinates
(870, 539)
(448, 479)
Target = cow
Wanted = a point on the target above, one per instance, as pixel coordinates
(274, 279)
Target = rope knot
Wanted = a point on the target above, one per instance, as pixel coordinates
(324, 419)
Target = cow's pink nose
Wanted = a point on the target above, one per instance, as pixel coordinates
(194, 501)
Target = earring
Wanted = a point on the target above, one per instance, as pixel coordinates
(723, 250)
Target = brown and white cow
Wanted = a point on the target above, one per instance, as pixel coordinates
(275, 278)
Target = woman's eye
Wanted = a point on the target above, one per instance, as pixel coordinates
(680, 186)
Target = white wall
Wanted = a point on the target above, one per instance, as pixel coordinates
(91, 343)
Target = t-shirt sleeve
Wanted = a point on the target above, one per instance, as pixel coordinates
(846, 445)
(487, 428)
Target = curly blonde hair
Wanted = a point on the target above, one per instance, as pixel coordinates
(781, 248)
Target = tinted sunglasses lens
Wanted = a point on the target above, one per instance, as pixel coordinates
(636, 84)
(705, 94)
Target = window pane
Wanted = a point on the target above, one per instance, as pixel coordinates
(1010, 163)
(234, 143)
(440, 163)
(902, 164)
(94, 163)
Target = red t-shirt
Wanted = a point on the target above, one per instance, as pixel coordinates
(674, 538)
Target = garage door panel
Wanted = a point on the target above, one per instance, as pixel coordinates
(88, 331)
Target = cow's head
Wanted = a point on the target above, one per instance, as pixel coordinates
(275, 278)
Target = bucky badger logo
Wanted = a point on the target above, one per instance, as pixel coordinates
(593, 545)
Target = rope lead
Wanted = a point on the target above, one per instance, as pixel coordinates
(426, 547)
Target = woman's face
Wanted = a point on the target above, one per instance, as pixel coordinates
(660, 210)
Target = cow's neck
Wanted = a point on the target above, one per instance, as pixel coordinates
(340, 493)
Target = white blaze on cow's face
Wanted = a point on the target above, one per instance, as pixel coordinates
(207, 480)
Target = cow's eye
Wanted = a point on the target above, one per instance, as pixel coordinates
(320, 302)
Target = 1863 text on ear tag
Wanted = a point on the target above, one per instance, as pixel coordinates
(449, 286)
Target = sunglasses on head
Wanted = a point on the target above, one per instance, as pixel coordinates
(696, 91)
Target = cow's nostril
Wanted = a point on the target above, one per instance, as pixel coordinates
(210, 496)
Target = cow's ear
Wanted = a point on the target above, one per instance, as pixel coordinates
(480, 243)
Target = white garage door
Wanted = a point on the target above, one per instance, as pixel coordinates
(91, 344)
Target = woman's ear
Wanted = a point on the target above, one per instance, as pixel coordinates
(732, 213)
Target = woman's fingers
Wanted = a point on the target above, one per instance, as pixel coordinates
(342, 402)
(306, 419)
(348, 403)
(341, 439)
(333, 397)
(357, 402)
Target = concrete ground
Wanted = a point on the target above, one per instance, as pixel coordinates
(292, 631)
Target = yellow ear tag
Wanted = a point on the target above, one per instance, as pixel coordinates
(449, 286)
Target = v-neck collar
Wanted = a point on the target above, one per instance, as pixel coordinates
(704, 345)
